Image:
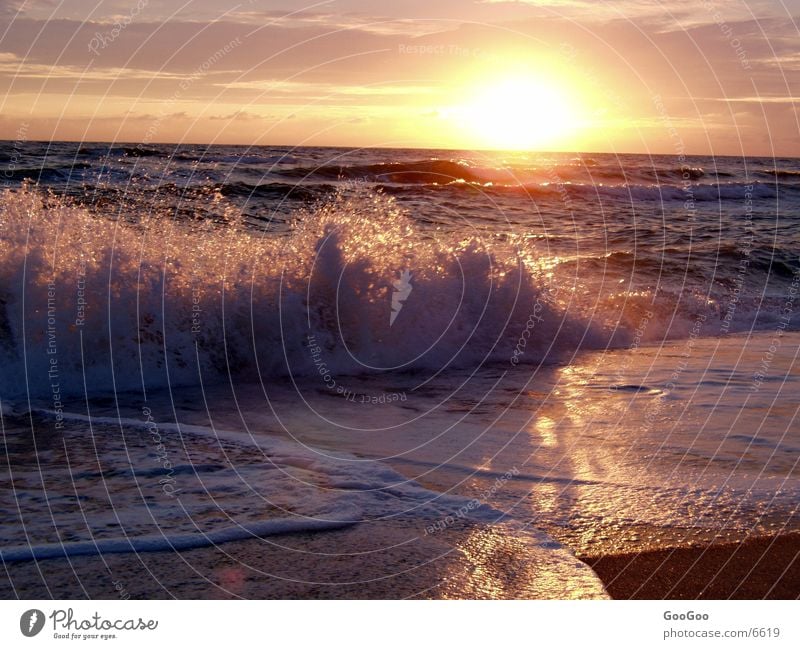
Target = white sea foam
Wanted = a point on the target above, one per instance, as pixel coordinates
(93, 303)
(295, 489)
(166, 541)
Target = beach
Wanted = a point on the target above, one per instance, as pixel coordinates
(308, 372)
(466, 562)
(757, 568)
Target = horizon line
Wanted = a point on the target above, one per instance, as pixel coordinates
(401, 148)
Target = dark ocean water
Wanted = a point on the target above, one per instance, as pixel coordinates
(617, 331)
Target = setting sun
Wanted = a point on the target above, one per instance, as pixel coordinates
(518, 113)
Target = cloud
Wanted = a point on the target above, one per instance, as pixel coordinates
(150, 117)
(760, 99)
(683, 13)
(239, 115)
(323, 64)
(374, 24)
(318, 90)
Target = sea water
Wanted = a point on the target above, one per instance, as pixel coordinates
(202, 344)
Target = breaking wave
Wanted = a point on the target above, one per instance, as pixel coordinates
(98, 302)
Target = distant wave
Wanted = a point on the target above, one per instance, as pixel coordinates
(287, 191)
(677, 173)
(782, 173)
(140, 151)
(238, 159)
(702, 192)
(282, 175)
(642, 183)
(695, 261)
(44, 174)
(418, 172)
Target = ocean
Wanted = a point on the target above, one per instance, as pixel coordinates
(573, 352)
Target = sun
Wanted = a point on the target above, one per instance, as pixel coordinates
(517, 113)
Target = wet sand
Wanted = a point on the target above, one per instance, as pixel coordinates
(756, 568)
(466, 561)
(386, 561)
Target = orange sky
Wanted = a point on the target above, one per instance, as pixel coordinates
(694, 76)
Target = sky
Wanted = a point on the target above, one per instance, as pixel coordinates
(686, 76)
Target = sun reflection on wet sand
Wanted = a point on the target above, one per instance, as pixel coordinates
(545, 427)
(510, 563)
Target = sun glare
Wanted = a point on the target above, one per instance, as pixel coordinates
(518, 113)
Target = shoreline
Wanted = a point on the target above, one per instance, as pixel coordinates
(389, 560)
(300, 566)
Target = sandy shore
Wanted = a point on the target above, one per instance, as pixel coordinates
(388, 562)
(756, 568)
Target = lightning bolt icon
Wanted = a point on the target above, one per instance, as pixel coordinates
(402, 289)
(32, 621)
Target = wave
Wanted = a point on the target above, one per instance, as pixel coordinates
(675, 173)
(135, 151)
(140, 151)
(412, 183)
(44, 174)
(700, 192)
(279, 175)
(646, 183)
(792, 174)
(695, 260)
(149, 300)
(238, 159)
(445, 170)
(94, 301)
(416, 172)
(298, 192)
(167, 543)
